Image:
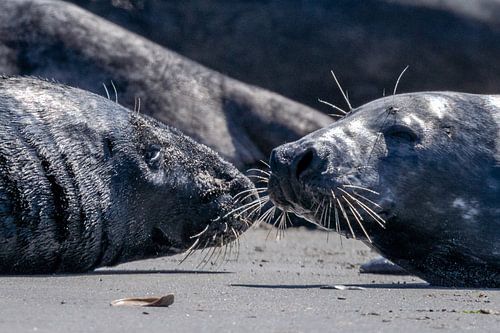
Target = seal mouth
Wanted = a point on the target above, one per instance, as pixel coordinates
(221, 231)
(351, 210)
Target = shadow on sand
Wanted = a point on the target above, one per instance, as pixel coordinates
(122, 272)
(325, 286)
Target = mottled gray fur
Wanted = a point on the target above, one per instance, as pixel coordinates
(85, 182)
(426, 163)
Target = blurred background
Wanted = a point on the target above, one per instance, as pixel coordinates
(290, 46)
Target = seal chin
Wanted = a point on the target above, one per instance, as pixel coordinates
(233, 216)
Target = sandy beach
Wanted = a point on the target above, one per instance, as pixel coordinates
(273, 286)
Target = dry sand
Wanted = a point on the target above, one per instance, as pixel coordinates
(272, 287)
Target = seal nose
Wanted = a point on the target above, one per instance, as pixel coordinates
(292, 163)
(290, 166)
(302, 162)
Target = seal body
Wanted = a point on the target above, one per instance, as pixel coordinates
(85, 183)
(416, 176)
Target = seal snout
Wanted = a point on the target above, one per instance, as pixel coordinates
(292, 168)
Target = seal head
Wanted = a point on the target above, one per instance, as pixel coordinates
(416, 176)
(85, 183)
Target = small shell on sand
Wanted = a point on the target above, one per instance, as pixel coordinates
(145, 301)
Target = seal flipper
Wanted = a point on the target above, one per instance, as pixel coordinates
(381, 265)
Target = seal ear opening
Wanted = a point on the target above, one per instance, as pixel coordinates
(153, 156)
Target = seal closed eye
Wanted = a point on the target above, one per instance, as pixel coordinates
(85, 183)
(415, 176)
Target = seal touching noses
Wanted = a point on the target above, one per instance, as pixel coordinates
(85, 183)
(415, 176)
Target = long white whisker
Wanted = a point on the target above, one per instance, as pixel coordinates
(264, 216)
(357, 218)
(263, 162)
(368, 210)
(341, 90)
(329, 213)
(258, 190)
(106, 89)
(366, 199)
(243, 199)
(333, 106)
(190, 250)
(242, 207)
(249, 193)
(200, 233)
(260, 178)
(267, 173)
(361, 188)
(257, 205)
(116, 93)
(399, 78)
(346, 218)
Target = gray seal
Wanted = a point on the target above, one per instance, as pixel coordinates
(85, 183)
(415, 176)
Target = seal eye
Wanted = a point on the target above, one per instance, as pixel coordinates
(152, 156)
(401, 134)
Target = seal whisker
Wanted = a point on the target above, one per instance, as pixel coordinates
(335, 107)
(243, 207)
(357, 217)
(211, 252)
(324, 213)
(265, 163)
(329, 213)
(237, 240)
(205, 246)
(366, 199)
(317, 208)
(190, 250)
(346, 218)
(279, 225)
(264, 216)
(341, 90)
(399, 78)
(106, 89)
(137, 104)
(116, 93)
(320, 207)
(354, 193)
(267, 173)
(337, 220)
(230, 246)
(260, 178)
(361, 188)
(254, 211)
(368, 210)
(200, 233)
(224, 253)
(336, 212)
(251, 191)
(257, 205)
(283, 223)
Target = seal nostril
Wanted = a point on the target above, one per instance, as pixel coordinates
(303, 163)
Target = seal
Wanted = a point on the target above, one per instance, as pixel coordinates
(85, 183)
(55, 39)
(415, 176)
